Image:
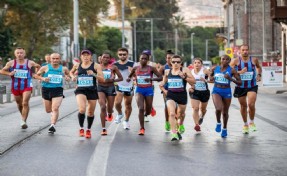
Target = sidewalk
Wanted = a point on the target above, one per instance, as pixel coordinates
(272, 90)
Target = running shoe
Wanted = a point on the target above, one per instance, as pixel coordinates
(146, 118)
(126, 125)
(181, 129)
(218, 127)
(167, 126)
(82, 133)
(200, 120)
(174, 137)
(109, 118)
(88, 134)
(153, 112)
(179, 136)
(245, 129)
(24, 125)
(141, 132)
(104, 132)
(52, 130)
(252, 127)
(197, 128)
(119, 118)
(224, 133)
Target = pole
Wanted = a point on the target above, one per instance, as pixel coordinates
(228, 30)
(191, 46)
(135, 40)
(263, 28)
(151, 38)
(76, 29)
(206, 49)
(175, 40)
(123, 23)
(238, 24)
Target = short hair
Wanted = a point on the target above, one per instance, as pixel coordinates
(225, 56)
(106, 52)
(197, 58)
(176, 56)
(20, 48)
(123, 49)
(244, 45)
(169, 52)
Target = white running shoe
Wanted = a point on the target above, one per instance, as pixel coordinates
(24, 125)
(146, 118)
(119, 118)
(126, 125)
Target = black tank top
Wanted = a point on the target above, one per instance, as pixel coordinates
(86, 81)
(175, 83)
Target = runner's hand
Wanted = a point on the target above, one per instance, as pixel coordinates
(46, 79)
(227, 77)
(12, 73)
(243, 70)
(90, 72)
(258, 78)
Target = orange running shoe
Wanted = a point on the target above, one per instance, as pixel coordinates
(141, 132)
(88, 134)
(82, 133)
(109, 118)
(153, 112)
(104, 132)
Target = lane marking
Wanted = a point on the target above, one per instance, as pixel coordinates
(99, 159)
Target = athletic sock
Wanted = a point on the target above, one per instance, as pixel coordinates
(90, 121)
(81, 118)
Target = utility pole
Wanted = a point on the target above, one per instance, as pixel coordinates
(123, 23)
(135, 40)
(228, 24)
(151, 38)
(191, 46)
(76, 29)
(264, 31)
(176, 40)
(206, 49)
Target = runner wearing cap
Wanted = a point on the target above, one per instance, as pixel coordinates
(144, 90)
(250, 72)
(52, 76)
(86, 73)
(124, 89)
(106, 89)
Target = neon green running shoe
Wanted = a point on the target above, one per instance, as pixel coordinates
(245, 129)
(174, 137)
(181, 129)
(167, 126)
(252, 127)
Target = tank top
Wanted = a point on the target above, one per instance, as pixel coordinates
(55, 75)
(124, 70)
(175, 83)
(249, 77)
(142, 75)
(166, 67)
(199, 85)
(23, 76)
(219, 76)
(86, 81)
(108, 72)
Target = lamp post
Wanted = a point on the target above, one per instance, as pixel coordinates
(264, 31)
(76, 29)
(206, 49)
(123, 23)
(191, 46)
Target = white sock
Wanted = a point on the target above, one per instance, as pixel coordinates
(245, 123)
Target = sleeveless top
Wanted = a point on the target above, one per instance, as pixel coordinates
(166, 67)
(23, 76)
(142, 75)
(219, 76)
(108, 72)
(249, 77)
(56, 77)
(86, 81)
(199, 85)
(124, 70)
(175, 83)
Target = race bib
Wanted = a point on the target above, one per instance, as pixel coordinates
(21, 73)
(141, 80)
(219, 78)
(86, 81)
(107, 74)
(174, 83)
(55, 79)
(247, 76)
(125, 88)
(200, 85)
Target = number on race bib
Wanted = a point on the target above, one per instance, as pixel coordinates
(85, 81)
(55, 79)
(19, 73)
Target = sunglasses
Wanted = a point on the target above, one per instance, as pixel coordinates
(178, 62)
(56, 58)
(122, 54)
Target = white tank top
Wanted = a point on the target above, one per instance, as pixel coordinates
(199, 85)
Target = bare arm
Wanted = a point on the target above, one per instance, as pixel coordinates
(100, 75)
(73, 71)
(189, 77)
(131, 74)
(163, 82)
(5, 70)
(66, 73)
(259, 69)
(40, 72)
(118, 73)
(237, 77)
(159, 76)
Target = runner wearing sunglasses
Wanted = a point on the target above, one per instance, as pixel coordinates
(144, 90)
(176, 95)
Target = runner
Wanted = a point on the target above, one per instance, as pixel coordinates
(144, 90)
(51, 76)
(106, 89)
(199, 93)
(21, 86)
(124, 89)
(47, 59)
(162, 70)
(221, 94)
(86, 73)
(176, 95)
(247, 91)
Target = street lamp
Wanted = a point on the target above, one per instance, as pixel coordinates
(123, 23)
(76, 52)
(191, 45)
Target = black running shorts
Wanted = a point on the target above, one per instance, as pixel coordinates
(49, 93)
(241, 92)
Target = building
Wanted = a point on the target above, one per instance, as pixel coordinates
(206, 21)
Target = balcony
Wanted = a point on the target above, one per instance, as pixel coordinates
(278, 13)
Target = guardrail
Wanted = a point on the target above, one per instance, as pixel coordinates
(6, 95)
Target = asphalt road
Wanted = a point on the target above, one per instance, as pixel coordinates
(124, 153)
